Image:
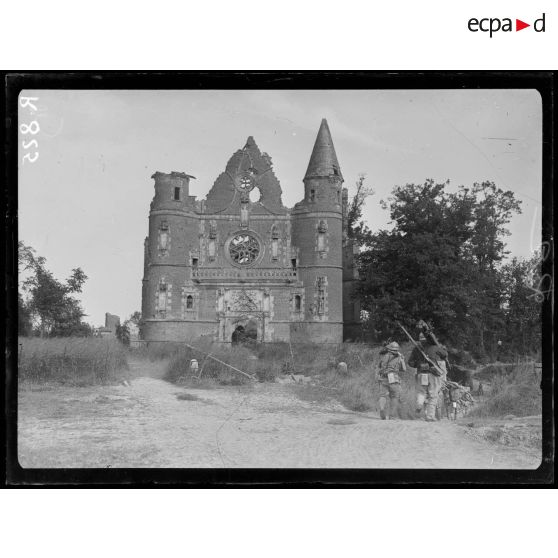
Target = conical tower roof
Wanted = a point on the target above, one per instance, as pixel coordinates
(323, 161)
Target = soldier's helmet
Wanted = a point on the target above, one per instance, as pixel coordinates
(393, 346)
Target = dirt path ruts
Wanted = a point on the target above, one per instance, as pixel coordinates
(147, 425)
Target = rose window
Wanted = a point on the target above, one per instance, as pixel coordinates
(244, 249)
(246, 184)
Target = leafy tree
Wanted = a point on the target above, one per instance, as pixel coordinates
(24, 324)
(136, 318)
(123, 334)
(439, 262)
(27, 259)
(132, 324)
(522, 305)
(49, 302)
(356, 228)
(492, 212)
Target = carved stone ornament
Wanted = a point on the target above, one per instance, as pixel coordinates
(212, 230)
(244, 301)
(244, 249)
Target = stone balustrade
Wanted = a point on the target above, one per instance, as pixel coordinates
(202, 273)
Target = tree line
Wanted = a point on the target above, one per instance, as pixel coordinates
(47, 307)
(444, 260)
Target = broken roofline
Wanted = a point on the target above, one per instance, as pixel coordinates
(323, 161)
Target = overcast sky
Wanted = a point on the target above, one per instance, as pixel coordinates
(85, 201)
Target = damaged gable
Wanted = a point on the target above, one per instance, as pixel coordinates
(248, 177)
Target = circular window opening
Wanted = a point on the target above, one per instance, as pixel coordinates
(244, 249)
(254, 195)
(246, 184)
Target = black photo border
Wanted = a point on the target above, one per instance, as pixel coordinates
(16, 476)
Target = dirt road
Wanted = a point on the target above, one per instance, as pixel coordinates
(153, 423)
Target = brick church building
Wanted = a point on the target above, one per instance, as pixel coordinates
(241, 264)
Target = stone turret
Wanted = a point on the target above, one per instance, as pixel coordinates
(172, 191)
(323, 178)
(317, 235)
(173, 224)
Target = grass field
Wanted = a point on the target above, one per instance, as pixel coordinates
(514, 389)
(78, 361)
(358, 390)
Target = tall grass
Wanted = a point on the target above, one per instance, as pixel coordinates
(268, 361)
(157, 350)
(71, 360)
(514, 390)
(240, 357)
(359, 389)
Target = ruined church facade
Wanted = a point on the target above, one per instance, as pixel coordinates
(240, 261)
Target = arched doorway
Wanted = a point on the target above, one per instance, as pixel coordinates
(247, 333)
(238, 335)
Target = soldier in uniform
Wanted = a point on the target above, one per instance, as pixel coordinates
(428, 377)
(391, 363)
(194, 367)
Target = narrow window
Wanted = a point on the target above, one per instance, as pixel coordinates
(274, 242)
(195, 263)
(243, 215)
(164, 237)
(293, 264)
(322, 228)
(177, 193)
(321, 295)
(189, 302)
(312, 195)
(162, 300)
(297, 301)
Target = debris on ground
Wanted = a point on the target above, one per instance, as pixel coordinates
(187, 397)
(518, 432)
(294, 379)
(109, 398)
(341, 422)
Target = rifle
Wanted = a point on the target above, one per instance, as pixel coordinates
(428, 330)
(439, 371)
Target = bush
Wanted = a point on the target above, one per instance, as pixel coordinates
(519, 400)
(239, 357)
(515, 390)
(70, 360)
(358, 390)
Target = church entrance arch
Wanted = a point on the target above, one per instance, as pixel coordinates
(245, 332)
